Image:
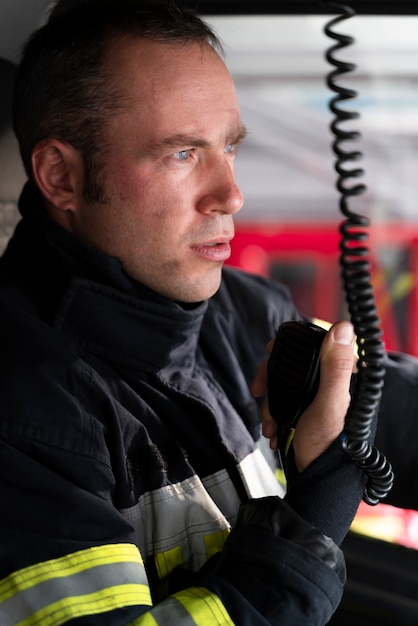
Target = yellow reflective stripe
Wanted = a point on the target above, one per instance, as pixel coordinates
(67, 566)
(289, 440)
(281, 476)
(144, 620)
(204, 607)
(100, 602)
(215, 542)
(82, 583)
(165, 562)
(168, 613)
(196, 606)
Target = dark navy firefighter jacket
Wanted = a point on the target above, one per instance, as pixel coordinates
(133, 489)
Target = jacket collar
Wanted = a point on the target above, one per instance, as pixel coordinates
(105, 310)
(130, 329)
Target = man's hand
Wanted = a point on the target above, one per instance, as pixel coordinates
(323, 420)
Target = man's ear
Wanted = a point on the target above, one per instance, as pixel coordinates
(58, 172)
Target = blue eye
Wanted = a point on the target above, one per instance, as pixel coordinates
(182, 155)
(230, 148)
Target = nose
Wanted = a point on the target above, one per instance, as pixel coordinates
(221, 193)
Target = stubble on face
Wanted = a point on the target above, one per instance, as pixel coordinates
(162, 216)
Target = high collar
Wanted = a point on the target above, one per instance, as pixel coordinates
(74, 255)
(111, 314)
(130, 329)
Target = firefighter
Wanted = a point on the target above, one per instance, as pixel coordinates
(132, 483)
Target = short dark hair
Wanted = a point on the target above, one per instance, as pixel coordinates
(63, 88)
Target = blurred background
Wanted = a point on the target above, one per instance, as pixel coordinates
(288, 225)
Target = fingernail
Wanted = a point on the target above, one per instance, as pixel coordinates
(344, 334)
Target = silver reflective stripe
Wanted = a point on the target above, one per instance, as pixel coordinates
(258, 476)
(195, 606)
(171, 612)
(87, 582)
(222, 491)
(177, 516)
(181, 516)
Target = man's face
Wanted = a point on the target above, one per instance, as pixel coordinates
(169, 169)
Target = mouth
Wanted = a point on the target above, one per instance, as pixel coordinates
(217, 251)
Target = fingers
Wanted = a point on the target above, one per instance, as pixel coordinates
(259, 384)
(269, 426)
(259, 389)
(323, 420)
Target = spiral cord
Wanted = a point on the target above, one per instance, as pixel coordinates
(356, 277)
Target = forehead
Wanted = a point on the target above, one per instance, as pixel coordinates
(157, 78)
(159, 56)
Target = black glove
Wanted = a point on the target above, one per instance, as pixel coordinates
(328, 492)
(286, 569)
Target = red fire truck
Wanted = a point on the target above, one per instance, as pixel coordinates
(306, 258)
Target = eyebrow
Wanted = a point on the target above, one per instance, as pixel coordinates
(183, 139)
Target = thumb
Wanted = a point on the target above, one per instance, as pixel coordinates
(337, 363)
(323, 420)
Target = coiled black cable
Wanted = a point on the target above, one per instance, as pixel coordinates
(356, 278)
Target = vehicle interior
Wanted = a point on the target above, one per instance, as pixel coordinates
(289, 226)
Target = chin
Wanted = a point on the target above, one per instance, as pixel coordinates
(200, 291)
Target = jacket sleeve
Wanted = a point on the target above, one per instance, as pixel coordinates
(69, 556)
(397, 431)
(287, 569)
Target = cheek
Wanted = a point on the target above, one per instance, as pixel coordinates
(128, 188)
(138, 187)
(157, 206)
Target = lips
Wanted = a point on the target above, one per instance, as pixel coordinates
(218, 250)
